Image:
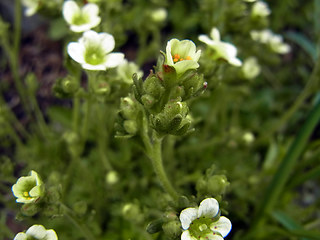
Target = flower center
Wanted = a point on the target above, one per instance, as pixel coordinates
(177, 58)
(200, 228)
(80, 18)
(94, 56)
(26, 195)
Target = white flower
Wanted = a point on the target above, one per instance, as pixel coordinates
(201, 223)
(182, 55)
(31, 7)
(222, 50)
(83, 19)
(274, 41)
(93, 49)
(250, 68)
(260, 9)
(126, 70)
(37, 232)
(28, 189)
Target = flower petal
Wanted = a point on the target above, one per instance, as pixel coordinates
(107, 42)
(51, 235)
(76, 51)
(185, 65)
(208, 208)
(21, 236)
(213, 236)
(91, 9)
(215, 34)
(37, 231)
(186, 236)
(206, 40)
(100, 67)
(187, 216)
(69, 9)
(114, 59)
(173, 42)
(222, 226)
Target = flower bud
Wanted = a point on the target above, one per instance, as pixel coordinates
(154, 226)
(172, 229)
(112, 177)
(30, 210)
(217, 184)
(172, 119)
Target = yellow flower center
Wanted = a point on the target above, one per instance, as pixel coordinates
(177, 58)
(26, 194)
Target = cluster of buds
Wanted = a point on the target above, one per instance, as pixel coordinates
(163, 93)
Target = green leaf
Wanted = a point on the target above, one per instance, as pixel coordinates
(304, 43)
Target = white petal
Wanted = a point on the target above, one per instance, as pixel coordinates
(37, 231)
(76, 51)
(223, 226)
(197, 55)
(208, 208)
(69, 9)
(91, 9)
(90, 37)
(213, 236)
(100, 67)
(186, 236)
(184, 48)
(215, 34)
(114, 59)
(170, 43)
(187, 216)
(21, 236)
(107, 42)
(206, 40)
(51, 235)
(235, 62)
(81, 28)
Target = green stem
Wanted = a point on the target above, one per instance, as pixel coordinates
(154, 152)
(75, 114)
(285, 169)
(17, 27)
(82, 227)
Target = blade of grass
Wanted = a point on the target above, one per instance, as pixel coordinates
(304, 43)
(286, 166)
(286, 221)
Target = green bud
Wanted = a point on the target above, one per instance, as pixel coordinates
(132, 212)
(80, 207)
(148, 101)
(130, 126)
(66, 87)
(155, 226)
(32, 83)
(53, 194)
(128, 108)
(217, 184)
(153, 86)
(112, 177)
(102, 89)
(137, 87)
(30, 210)
(172, 229)
(172, 120)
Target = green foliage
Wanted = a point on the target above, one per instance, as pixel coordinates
(123, 154)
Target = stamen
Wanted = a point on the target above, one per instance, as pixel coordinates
(26, 194)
